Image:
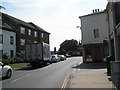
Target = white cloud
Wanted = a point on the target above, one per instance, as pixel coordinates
(59, 17)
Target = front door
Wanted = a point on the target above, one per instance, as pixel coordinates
(97, 54)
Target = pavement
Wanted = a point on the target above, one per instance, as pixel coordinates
(89, 75)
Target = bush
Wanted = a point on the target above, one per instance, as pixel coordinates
(19, 58)
(70, 53)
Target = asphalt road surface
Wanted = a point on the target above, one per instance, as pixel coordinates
(51, 76)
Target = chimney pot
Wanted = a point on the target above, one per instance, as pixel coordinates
(98, 10)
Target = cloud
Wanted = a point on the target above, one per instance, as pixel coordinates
(59, 17)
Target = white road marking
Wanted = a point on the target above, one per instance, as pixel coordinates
(21, 78)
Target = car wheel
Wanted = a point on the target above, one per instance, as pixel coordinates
(9, 73)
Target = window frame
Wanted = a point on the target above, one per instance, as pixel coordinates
(22, 30)
(22, 41)
(29, 32)
(35, 34)
(96, 33)
(11, 54)
(11, 40)
(1, 40)
(42, 35)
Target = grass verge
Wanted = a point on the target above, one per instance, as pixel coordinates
(17, 64)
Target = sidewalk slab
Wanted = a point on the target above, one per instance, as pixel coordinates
(93, 78)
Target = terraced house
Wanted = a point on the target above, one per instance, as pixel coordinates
(7, 39)
(26, 33)
(94, 29)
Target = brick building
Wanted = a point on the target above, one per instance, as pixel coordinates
(26, 33)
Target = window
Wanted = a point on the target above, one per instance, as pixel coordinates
(96, 33)
(11, 40)
(29, 31)
(22, 30)
(1, 38)
(11, 53)
(22, 41)
(35, 41)
(42, 35)
(35, 33)
(1, 54)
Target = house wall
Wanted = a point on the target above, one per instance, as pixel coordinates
(91, 22)
(16, 24)
(6, 47)
(90, 43)
(111, 19)
(94, 53)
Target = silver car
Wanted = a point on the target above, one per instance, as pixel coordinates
(55, 58)
(5, 70)
(62, 57)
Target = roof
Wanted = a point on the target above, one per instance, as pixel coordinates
(39, 28)
(30, 25)
(93, 14)
(4, 25)
(19, 21)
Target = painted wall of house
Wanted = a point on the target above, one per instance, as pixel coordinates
(91, 22)
(6, 47)
(111, 19)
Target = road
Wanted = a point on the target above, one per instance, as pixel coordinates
(51, 76)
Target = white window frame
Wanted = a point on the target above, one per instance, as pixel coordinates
(42, 35)
(22, 41)
(29, 31)
(35, 33)
(35, 42)
(22, 30)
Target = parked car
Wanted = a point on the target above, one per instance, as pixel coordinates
(55, 58)
(62, 57)
(5, 70)
(67, 55)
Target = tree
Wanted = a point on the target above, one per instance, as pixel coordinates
(69, 46)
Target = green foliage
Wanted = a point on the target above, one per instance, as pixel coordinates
(20, 58)
(70, 53)
(52, 52)
(70, 47)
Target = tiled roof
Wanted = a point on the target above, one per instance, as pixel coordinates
(39, 28)
(19, 21)
(4, 25)
(30, 25)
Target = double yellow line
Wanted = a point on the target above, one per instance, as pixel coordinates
(65, 82)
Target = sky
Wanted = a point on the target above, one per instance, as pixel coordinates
(58, 17)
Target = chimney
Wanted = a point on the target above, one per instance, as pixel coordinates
(95, 10)
(98, 10)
